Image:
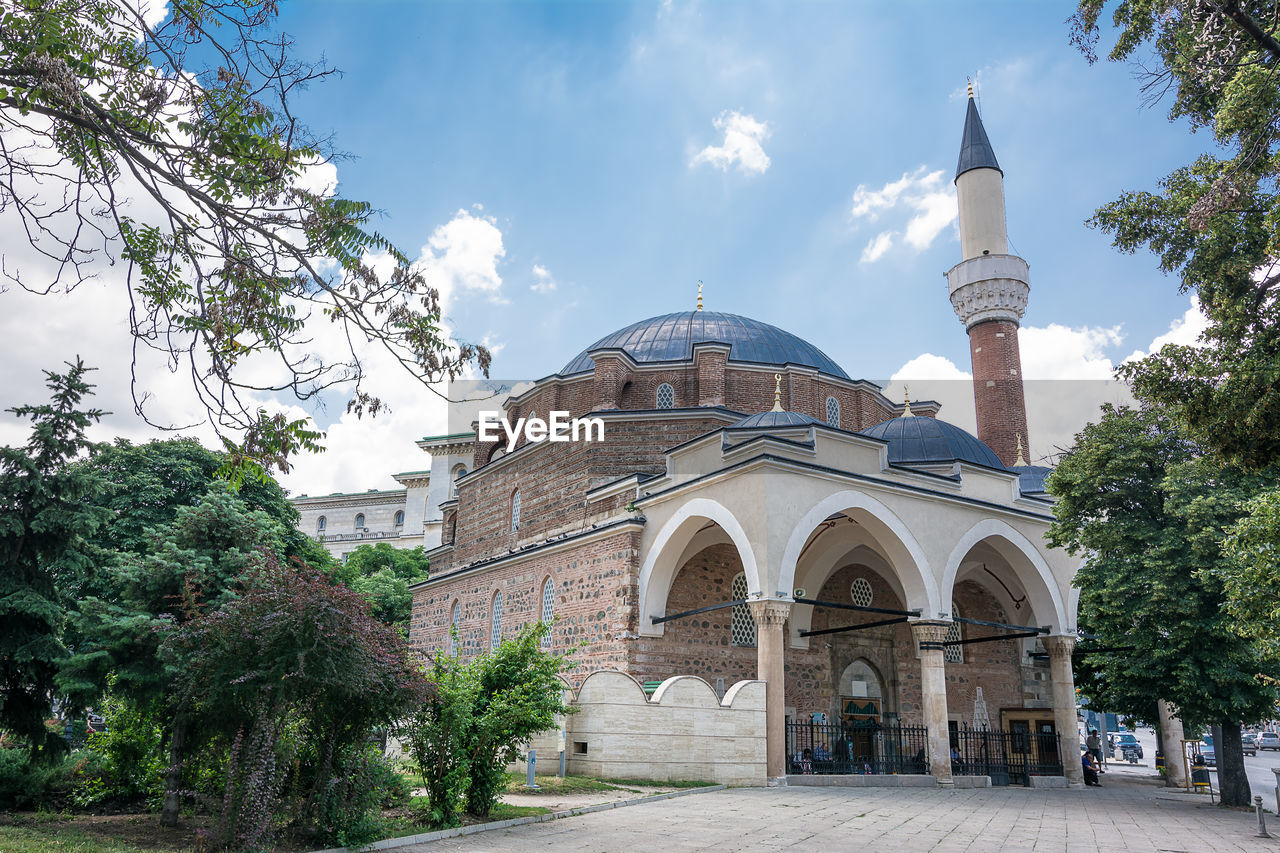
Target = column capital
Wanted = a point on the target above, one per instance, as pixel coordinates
(770, 612)
(930, 634)
(1059, 646)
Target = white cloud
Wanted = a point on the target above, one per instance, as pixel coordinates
(1059, 352)
(544, 283)
(879, 244)
(924, 198)
(463, 255)
(1185, 330)
(742, 137)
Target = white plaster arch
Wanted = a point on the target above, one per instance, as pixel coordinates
(663, 561)
(917, 580)
(1045, 596)
(1073, 609)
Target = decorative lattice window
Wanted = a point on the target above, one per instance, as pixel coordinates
(495, 630)
(548, 609)
(400, 519)
(360, 521)
(320, 523)
(833, 412)
(515, 510)
(666, 396)
(953, 654)
(455, 623)
(860, 592)
(742, 628)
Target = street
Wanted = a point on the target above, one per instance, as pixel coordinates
(1262, 781)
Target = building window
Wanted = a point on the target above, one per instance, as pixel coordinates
(458, 472)
(742, 627)
(320, 523)
(548, 609)
(400, 519)
(495, 630)
(860, 592)
(455, 628)
(953, 654)
(666, 396)
(515, 510)
(833, 412)
(360, 521)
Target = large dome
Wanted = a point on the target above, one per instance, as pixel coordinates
(915, 440)
(671, 337)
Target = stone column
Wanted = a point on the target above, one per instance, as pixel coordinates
(1060, 648)
(771, 617)
(1175, 774)
(933, 685)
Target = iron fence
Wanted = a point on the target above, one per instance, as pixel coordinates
(876, 748)
(1009, 758)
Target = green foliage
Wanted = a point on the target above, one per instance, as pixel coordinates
(1150, 510)
(476, 718)
(294, 675)
(237, 245)
(132, 766)
(1251, 573)
(44, 522)
(382, 574)
(1214, 223)
(26, 783)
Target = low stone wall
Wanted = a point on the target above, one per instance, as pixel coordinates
(683, 732)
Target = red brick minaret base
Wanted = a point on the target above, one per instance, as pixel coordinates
(997, 387)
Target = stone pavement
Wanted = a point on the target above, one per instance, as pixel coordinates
(1127, 814)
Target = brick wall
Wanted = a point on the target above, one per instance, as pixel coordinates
(997, 388)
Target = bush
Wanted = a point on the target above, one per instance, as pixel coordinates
(26, 784)
(131, 764)
(347, 813)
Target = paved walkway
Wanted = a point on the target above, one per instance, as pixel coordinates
(1127, 814)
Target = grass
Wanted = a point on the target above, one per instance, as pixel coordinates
(566, 785)
(43, 839)
(649, 783)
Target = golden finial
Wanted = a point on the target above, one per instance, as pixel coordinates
(1019, 461)
(906, 402)
(970, 79)
(699, 294)
(777, 392)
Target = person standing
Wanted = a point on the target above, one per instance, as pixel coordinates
(1093, 744)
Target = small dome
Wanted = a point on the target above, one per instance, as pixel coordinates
(671, 337)
(774, 420)
(917, 440)
(1031, 478)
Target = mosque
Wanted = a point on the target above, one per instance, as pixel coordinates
(753, 513)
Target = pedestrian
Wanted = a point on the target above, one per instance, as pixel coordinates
(1094, 745)
(1090, 766)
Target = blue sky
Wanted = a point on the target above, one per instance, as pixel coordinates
(563, 169)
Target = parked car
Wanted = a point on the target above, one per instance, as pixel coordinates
(1250, 744)
(1268, 740)
(1208, 752)
(1126, 742)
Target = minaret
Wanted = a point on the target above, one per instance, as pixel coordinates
(989, 290)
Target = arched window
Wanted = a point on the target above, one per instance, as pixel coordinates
(548, 609)
(495, 629)
(458, 471)
(360, 521)
(953, 654)
(400, 519)
(666, 398)
(455, 628)
(515, 510)
(833, 412)
(860, 592)
(742, 627)
(320, 523)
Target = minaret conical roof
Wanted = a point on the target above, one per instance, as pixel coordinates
(975, 149)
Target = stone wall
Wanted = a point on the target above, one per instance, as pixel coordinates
(683, 733)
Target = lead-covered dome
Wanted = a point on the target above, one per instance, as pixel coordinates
(915, 440)
(774, 420)
(672, 337)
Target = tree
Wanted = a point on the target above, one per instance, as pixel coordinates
(294, 674)
(119, 145)
(382, 574)
(1251, 575)
(1216, 222)
(1150, 507)
(45, 518)
(477, 715)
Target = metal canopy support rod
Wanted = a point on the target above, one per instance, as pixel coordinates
(992, 638)
(658, 620)
(853, 627)
(839, 606)
(1034, 630)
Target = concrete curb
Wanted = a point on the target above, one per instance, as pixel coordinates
(426, 837)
